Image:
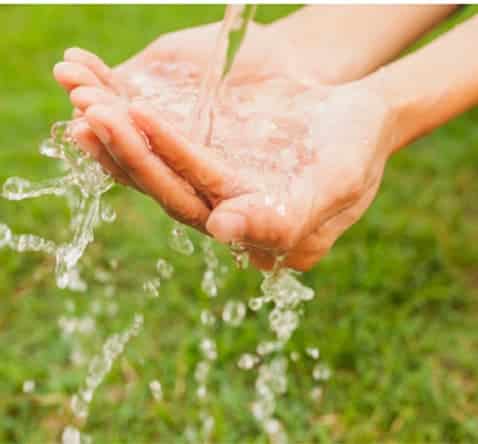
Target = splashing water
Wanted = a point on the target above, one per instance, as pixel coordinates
(83, 186)
(100, 366)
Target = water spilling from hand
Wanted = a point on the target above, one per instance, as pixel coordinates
(211, 111)
(84, 185)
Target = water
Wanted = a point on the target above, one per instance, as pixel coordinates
(280, 287)
(199, 108)
(156, 390)
(234, 313)
(29, 386)
(233, 30)
(83, 186)
(100, 366)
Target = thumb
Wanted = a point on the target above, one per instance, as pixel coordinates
(255, 219)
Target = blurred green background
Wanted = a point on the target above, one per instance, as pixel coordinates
(396, 311)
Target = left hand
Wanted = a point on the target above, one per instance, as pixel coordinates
(90, 81)
(271, 211)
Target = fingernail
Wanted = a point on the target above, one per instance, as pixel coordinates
(227, 227)
(102, 133)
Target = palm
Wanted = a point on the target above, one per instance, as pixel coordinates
(292, 188)
(269, 152)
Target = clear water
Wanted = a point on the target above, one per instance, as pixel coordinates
(197, 104)
(83, 186)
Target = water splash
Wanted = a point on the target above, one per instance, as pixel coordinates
(100, 366)
(179, 240)
(283, 290)
(83, 185)
(209, 282)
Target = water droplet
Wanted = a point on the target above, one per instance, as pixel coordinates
(255, 304)
(234, 313)
(79, 406)
(201, 392)
(180, 241)
(108, 214)
(208, 284)
(5, 235)
(164, 269)
(321, 372)
(208, 348)
(71, 435)
(313, 352)
(13, 188)
(101, 364)
(268, 347)
(201, 371)
(151, 287)
(156, 390)
(207, 318)
(240, 256)
(247, 361)
(51, 149)
(316, 393)
(28, 386)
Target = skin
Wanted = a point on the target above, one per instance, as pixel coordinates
(333, 188)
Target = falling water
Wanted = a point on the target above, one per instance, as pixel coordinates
(83, 186)
(231, 35)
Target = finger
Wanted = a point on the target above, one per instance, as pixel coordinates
(77, 113)
(303, 259)
(86, 96)
(102, 71)
(317, 245)
(261, 259)
(130, 150)
(71, 75)
(89, 143)
(258, 220)
(193, 162)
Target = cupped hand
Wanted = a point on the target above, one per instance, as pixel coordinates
(180, 58)
(298, 212)
(291, 190)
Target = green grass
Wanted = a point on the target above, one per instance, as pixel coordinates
(396, 312)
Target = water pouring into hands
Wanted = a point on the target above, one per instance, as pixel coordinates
(290, 163)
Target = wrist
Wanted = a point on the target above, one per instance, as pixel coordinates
(325, 62)
(404, 107)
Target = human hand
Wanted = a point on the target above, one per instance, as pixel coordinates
(175, 61)
(304, 235)
(295, 204)
(367, 125)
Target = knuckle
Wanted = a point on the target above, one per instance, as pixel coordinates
(196, 218)
(287, 235)
(356, 185)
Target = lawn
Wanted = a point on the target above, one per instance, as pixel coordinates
(396, 308)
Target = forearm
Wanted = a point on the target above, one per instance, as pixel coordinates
(347, 42)
(431, 86)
